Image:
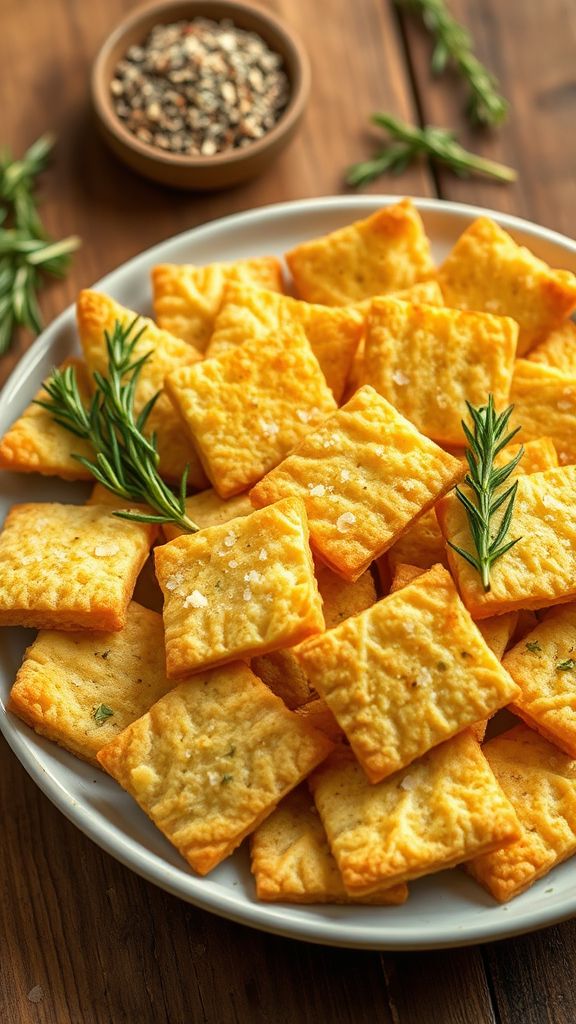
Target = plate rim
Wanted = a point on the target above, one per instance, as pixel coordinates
(280, 919)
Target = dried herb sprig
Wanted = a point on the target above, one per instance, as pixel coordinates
(453, 43)
(485, 481)
(26, 251)
(411, 142)
(126, 460)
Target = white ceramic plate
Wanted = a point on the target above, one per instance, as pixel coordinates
(443, 910)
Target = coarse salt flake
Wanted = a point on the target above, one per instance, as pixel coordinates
(317, 490)
(424, 676)
(344, 475)
(101, 550)
(400, 378)
(253, 577)
(345, 521)
(269, 428)
(195, 600)
(174, 581)
(303, 415)
(247, 595)
(230, 540)
(408, 783)
(213, 778)
(263, 555)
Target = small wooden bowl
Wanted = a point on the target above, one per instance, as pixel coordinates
(199, 172)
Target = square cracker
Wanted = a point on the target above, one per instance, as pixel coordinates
(446, 808)
(543, 666)
(69, 566)
(97, 313)
(540, 783)
(466, 357)
(364, 475)
(558, 349)
(35, 443)
(187, 298)
(544, 400)
(333, 333)
(212, 759)
(239, 589)
(66, 677)
(406, 674)
(281, 670)
(386, 252)
(291, 860)
(422, 544)
(488, 271)
(540, 570)
(247, 409)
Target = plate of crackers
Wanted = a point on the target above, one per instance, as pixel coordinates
(341, 706)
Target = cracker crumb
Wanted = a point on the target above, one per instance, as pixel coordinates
(36, 994)
(195, 600)
(102, 550)
(345, 521)
(174, 581)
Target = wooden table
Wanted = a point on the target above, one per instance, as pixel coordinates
(104, 946)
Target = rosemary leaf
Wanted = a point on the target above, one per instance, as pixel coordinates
(453, 43)
(488, 438)
(411, 142)
(125, 460)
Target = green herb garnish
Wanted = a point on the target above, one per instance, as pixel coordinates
(485, 443)
(453, 44)
(533, 646)
(101, 713)
(126, 460)
(410, 142)
(566, 666)
(26, 251)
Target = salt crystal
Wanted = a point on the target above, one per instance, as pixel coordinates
(174, 581)
(230, 540)
(269, 428)
(253, 577)
(379, 449)
(317, 490)
(233, 564)
(400, 378)
(344, 521)
(195, 600)
(424, 676)
(247, 595)
(344, 475)
(213, 778)
(303, 415)
(101, 550)
(263, 554)
(408, 783)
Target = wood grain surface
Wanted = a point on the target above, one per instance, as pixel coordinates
(104, 946)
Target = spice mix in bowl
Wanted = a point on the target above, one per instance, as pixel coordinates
(198, 94)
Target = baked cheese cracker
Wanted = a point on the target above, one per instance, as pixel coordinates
(444, 809)
(212, 759)
(69, 566)
(35, 443)
(291, 860)
(207, 508)
(466, 356)
(280, 670)
(82, 689)
(187, 298)
(488, 271)
(543, 666)
(558, 349)
(97, 313)
(540, 570)
(386, 252)
(406, 674)
(333, 333)
(421, 545)
(246, 410)
(544, 400)
(239, 589)
(540, 783)
(364, 475)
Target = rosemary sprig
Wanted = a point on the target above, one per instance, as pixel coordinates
(126, 460)
(26, 251)
(485, 480)
(454, 43)
(411, 142)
